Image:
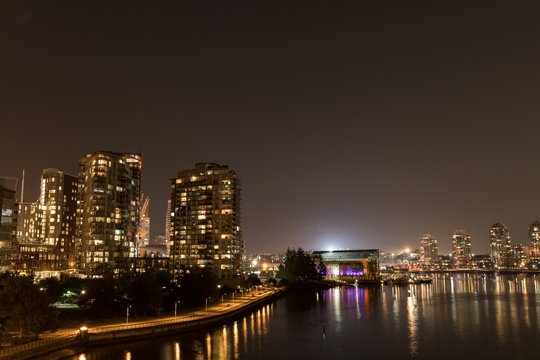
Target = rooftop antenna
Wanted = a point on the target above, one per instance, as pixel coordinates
(22, 187)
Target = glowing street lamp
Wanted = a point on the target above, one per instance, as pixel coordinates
(83, 332)
(127, 313)
(176, 306)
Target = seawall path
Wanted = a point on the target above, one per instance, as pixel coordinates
(215, 314)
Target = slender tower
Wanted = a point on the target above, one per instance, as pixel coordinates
(461, 248)
(499, 243)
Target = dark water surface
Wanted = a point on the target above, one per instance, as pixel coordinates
(459, 316)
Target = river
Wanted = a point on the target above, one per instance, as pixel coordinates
(458, 316)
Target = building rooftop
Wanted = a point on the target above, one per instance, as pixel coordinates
(338, 255)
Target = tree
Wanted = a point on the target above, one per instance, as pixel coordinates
(145, 293)
(29, 307)
(253, 280)
(52, 287)
(169, 289)
(197, 285)
(321, 268)
(103, 297)
(298, 267)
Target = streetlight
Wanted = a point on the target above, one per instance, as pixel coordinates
(221, 300)
(127, 313)
(175, 307)
(206, 306)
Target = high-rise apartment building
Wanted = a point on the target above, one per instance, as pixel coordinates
(205, 228)
(47, 228)
(534, 245)
(499, 243)
(26, 222)
(57, 207)
(520, 255)
(461, 248)
(429, 250)
(168, 227)
(8, 221)
(108, 213)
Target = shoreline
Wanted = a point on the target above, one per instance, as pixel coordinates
(479, 271)
(119, 332)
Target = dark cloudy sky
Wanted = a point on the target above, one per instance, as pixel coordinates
(352, 124)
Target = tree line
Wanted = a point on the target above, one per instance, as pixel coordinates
(29, 305)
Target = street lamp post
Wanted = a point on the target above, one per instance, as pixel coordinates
(206, 306)
(127, 313)
(221, 300)
(176, 306)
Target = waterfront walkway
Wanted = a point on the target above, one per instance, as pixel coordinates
(114, 331)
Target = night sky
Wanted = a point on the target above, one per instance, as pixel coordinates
(360, 124)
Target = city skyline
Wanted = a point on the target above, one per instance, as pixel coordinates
(353, 126)
(408, 248)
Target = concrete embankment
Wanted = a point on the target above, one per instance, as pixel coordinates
(214, 315)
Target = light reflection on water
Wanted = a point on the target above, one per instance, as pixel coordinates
(458, 316)
(177, 352)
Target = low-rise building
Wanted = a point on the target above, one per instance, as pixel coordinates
(349, 265)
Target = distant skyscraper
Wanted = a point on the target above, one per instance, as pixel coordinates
(429, 250)
(160, 240)
(461, 248)
(520, 256)
(108, 214)
(205, 221)
(168, 227)
(26, 219)
(534, 245)
(144, 225)
(27, 222)
(8, 221)
(499, 243)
